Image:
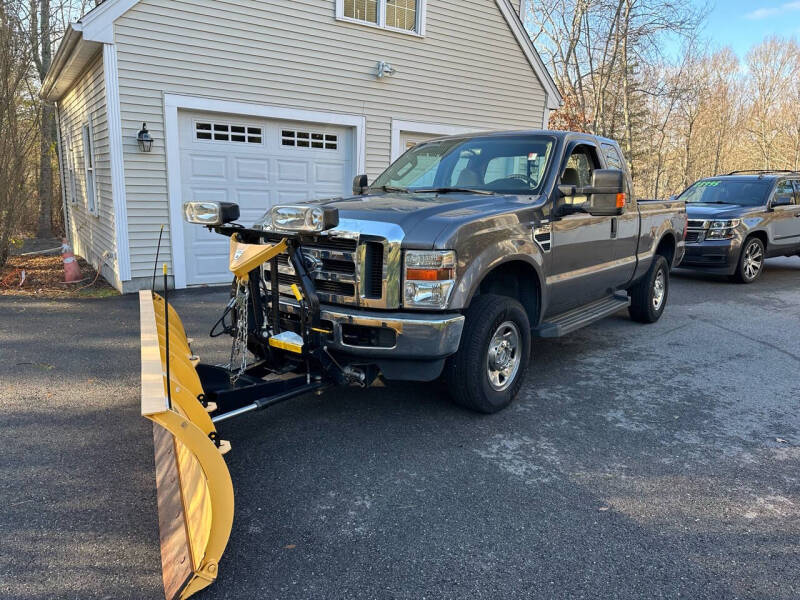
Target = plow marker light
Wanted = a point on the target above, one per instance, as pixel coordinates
(195, 492)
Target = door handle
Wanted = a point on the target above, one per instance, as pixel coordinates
(614, 227)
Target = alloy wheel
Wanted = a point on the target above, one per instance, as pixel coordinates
(753, 260)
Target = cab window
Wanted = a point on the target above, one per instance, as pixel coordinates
(578, 171)
(785, 191)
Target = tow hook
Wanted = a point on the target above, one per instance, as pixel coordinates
(354, 375)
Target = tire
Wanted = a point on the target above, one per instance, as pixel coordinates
(649, 296)
(751, 261)
(473, 376)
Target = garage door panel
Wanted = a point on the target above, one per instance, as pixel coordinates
(292, 171)
(252, 169)
(291, 196)
(278, 162)
(329, 173)
(252, 205)
(208, 167)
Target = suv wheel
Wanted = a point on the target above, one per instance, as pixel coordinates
(751, 261)
(649, 295)
(486, 373)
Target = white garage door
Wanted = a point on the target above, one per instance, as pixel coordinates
(256, 163)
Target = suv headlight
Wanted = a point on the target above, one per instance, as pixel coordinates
(429, 277)
(722, 230)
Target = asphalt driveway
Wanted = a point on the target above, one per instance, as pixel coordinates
(656, 461)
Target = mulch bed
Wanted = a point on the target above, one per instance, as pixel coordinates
(44, 278)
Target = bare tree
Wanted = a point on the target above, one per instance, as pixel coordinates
(774, 67)
(18, 121)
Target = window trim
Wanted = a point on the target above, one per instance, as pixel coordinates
(90, 166)
(419, 29)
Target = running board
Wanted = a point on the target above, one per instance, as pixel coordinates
(582, 316)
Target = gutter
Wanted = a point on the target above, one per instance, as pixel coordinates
(72, 37)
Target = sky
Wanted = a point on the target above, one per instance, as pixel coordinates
(743, 23)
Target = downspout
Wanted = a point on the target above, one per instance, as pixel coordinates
(61, 178)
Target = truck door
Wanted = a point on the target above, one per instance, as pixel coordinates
(581, 244)
(785, 218)
(625, 227)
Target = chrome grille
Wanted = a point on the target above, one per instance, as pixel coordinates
(698, 224)
(693, 237)
(331, 263)
(356, 264)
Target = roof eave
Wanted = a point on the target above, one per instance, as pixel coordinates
(72, 57)
(554, 99)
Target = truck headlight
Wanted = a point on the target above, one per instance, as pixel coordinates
(722, 230)
(265, 222)
(429, 277)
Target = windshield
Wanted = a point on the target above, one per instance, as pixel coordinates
(503, 164)
(743, 192)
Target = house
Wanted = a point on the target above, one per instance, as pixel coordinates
(265, 101)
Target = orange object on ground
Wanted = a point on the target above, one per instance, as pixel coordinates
(72, 271)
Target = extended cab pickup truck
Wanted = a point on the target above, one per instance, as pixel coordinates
(468, 247)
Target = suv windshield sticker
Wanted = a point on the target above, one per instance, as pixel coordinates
(713, 183)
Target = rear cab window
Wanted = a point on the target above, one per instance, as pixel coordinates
(615, 161)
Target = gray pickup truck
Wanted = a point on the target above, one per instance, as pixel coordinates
(467, 247)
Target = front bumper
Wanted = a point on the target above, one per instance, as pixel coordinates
(416, 337)
(713, 256)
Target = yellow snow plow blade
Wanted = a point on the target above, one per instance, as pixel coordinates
(195, 492)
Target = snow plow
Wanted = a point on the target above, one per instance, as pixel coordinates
(274, 357)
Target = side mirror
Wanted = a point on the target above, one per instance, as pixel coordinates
(360, 185)
(607, 193)
(781, 201)
(210, 214)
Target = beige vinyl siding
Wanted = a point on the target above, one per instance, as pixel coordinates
(467, 71)
(92, 235)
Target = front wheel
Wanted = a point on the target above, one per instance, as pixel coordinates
(649, 295)
(486, 373)
(751, 261)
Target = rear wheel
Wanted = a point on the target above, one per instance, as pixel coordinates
(649, 295)
(751, 261)
(487, 372)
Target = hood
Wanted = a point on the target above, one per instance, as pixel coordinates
(422, 217)
(700, 210)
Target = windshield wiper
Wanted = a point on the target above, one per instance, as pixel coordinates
(393, 188)
(450, 190)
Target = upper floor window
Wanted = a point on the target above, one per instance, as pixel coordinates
(407, 16)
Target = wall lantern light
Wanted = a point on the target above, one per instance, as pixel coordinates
(385, 69)
(145, 139)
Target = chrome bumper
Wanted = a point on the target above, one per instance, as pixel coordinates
(418, 336)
